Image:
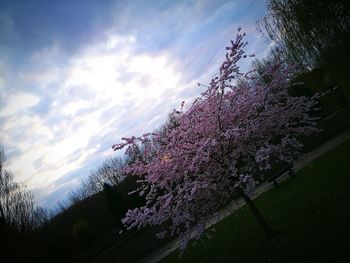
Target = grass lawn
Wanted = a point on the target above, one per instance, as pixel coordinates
(311, 213)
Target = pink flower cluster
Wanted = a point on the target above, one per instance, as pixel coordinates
(221, 143)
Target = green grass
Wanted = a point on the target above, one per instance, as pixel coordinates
(311, 212)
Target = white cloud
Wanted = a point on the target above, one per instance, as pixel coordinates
(95, 94)
(114, 41)
(18, 102)
(72, 108)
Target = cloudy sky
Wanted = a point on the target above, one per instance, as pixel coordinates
(76, 76)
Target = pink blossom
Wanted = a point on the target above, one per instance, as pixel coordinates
(217, 146)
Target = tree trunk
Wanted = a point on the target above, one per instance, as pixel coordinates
(259, 217)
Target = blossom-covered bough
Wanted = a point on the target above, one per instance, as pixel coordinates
(217, 147)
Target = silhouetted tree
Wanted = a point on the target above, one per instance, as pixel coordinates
(306, 29)
(110, 172)
(19, 215)
(116, 203)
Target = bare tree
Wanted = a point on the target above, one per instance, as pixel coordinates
(17, 204)
(42, 216)
(306, 28)
(111, 172)
(75, 196)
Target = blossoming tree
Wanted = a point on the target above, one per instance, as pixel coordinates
(217, 147)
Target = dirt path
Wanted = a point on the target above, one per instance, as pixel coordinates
(304, 160)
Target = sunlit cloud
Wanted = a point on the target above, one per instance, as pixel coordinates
(19, 102)
(65, 100)
(101, 78)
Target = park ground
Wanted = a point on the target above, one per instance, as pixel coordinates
(310, 213)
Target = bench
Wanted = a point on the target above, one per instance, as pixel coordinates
(285, 169)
